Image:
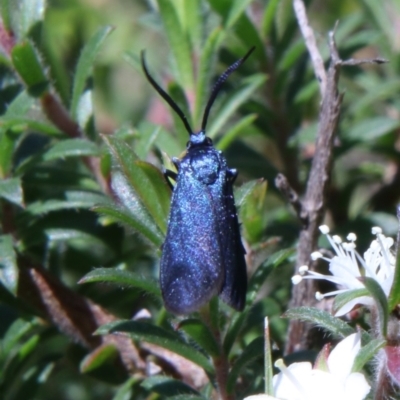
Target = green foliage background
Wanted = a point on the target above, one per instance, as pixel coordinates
(83, 190)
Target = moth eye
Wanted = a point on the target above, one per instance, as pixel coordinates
(209, 142)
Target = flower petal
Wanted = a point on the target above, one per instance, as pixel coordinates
(341, 359)
(356, 387)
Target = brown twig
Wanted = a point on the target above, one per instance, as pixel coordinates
(283, 185)
(312, 207)
(311, 43)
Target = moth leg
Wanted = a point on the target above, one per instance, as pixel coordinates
(176, 162)
(168, 175)
(232, 175)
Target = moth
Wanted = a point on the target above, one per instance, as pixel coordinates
(203, 255)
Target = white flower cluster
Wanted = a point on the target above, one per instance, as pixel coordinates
(347, 267)
(300, 381)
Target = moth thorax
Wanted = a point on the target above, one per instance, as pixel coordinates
(205, 166)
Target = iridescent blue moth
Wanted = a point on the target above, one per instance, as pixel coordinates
(202, 255)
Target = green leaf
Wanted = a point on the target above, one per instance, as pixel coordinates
(235, 327)
(268, 18)
(159, 336)
(377, 293)
(72, 148)
(7, 143)
(22, 124)
(201, 334)
(19, 106)
(381, 17)
(125, 392)
(123, 278)
(85, 66)
(205, 71)
(252, 352)
(167, 387)
(291, 56)
(189, 397)
(236, 10)
(367, 353)
(72, 200)
(11, 190)
(237, 130)
(373, 128)
(323, 319)
(179, 42)
(147, 138)
(343, 298)
(259, 276)
(146, 181)
(192, 12)
(30, 13)
(394, 295)
(8, 264)
(252, 212)
(243, 192)
(98, 357)
(28, 65)
(251, 84)
(268, 365)
(18, 329)
(5, 10)
(137, 218)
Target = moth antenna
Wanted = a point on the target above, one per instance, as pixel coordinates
(165, 95)
(219, 83)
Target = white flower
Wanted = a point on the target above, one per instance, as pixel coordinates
(347, 267)
(300, 381)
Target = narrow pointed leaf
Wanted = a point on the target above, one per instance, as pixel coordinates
(379, 296)
(323, 319)
(139, 221)
(179, 42)
(235, 327)
(237, 130)
(85, 66)
(72, 148)
(98, 357)
(236, 10)
(168, 387)
(8, 264)
(72, 200)
(201, 334)
(258, 278)
(268, 18)
(159, 336)
(394, 295)
(344, 298)
(268, 365)
(28, 65)
(367, 353)
(125, 390)
(18, 329)
(146, 181)
(123, 278)
(235, 101)
(11, 190)
(251, 352)
(206, 68)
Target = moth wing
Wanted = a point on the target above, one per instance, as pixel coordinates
(191, 270)
(234, 287)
